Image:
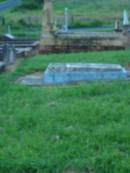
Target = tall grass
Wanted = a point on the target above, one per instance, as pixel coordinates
(78, 128)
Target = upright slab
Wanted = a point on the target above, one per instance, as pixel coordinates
(2, 66)
(59, 73)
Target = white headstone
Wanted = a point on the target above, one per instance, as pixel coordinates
(125, 18)
(9, 35)
(66, 22)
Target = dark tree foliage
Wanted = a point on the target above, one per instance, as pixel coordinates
(32, 4)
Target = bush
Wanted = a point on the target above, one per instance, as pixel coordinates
(32, 4)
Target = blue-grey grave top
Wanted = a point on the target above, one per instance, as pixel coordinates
(81, 67)
(60, 73)
(67, 73)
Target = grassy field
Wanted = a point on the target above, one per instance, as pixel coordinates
(95, 8)
(91, 9)
(2, 0)
(78, 128)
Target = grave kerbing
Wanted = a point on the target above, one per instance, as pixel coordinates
(76, 72)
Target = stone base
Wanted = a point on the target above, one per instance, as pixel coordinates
(71, 49)
(83, 41)
(73, 73)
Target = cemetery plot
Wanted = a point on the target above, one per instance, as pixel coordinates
(69, 73)
(55, 39)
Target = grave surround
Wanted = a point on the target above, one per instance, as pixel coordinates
(60, 73)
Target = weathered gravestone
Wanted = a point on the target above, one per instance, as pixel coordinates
(126, 25)
(9, 54)
(117, 26)
(77, 72)
(47, 24)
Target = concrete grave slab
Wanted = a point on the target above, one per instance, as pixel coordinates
(31, 80)
(60, 73)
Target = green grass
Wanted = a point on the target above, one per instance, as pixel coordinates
(95, 8)
(2, 1)
(80, 128)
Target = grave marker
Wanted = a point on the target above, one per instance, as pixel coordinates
(66, 21)
(77, 72)
(9, 54)
(125, 18)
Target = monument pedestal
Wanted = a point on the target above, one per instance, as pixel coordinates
(47, 43)
(47, 38)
